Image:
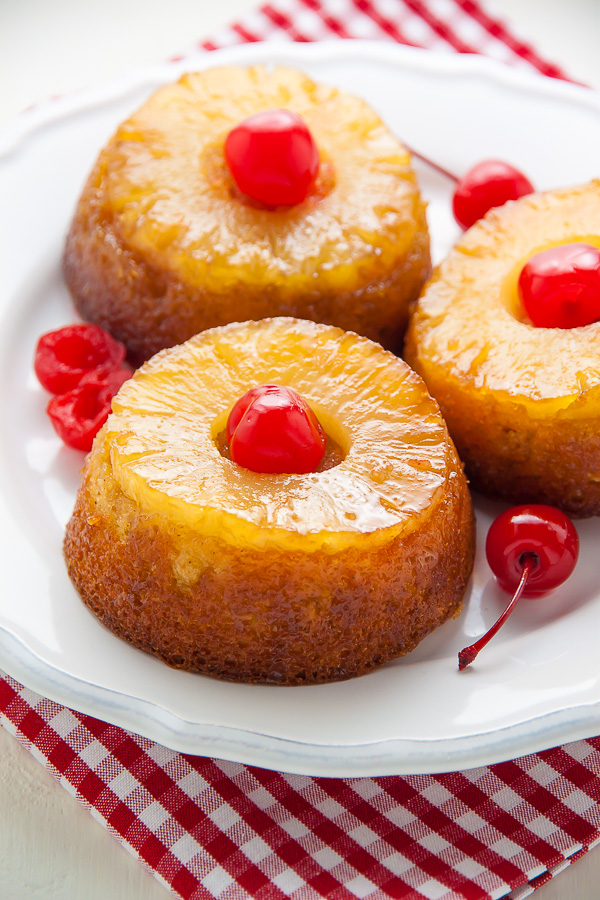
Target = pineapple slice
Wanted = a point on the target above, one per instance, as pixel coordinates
(278, 578)
(164, 245)
(522, 403)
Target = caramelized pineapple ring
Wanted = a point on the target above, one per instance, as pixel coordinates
(163, 243)
(166, 420)
(522, 403)
(259, 577)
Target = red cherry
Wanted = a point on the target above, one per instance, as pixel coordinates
(536, 529)
(64, 356)
(560, 287)
(489, 183)
(273, 157)
(239, 408)
(273, 429)
(531, 550)
(79, 414)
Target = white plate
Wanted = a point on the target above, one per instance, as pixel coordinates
(537, 684)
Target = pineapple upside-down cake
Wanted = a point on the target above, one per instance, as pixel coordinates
(521, 395)
(164, 244)
(282, 578)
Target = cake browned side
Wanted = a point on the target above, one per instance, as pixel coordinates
(263, 616)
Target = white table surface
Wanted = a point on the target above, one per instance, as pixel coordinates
(50, 847)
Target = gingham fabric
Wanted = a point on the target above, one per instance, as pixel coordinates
(461, 26)
(213, 829)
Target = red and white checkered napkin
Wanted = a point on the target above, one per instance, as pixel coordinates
(461, 26)
(209, 828)
(212, 829)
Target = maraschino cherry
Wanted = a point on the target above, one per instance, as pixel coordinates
(531, 550)
(560, 287)
(487, 184)
(79, 414)
(64, 356)
(273, 429)
(273, 157)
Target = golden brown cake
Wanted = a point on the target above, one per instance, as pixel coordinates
(273, 578)
(164, 245)
(522, 403)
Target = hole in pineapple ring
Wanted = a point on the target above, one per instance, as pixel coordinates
(509, 293)
(337, 437)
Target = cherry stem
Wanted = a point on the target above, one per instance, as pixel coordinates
(431, 164)
(466, 656)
